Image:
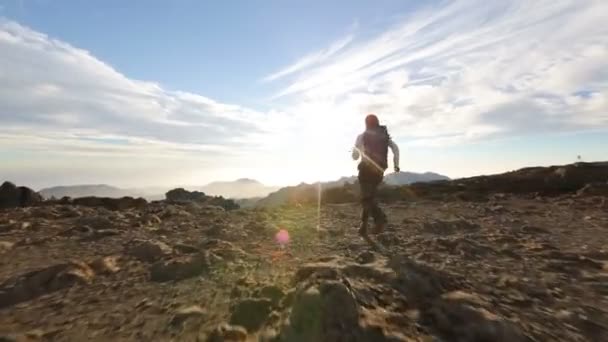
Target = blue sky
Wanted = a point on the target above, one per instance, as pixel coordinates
(138, 93)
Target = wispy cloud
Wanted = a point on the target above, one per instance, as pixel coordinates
(472, 69)
(310, 60)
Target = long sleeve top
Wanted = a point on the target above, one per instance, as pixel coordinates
(391, 144)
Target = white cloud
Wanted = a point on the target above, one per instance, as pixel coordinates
(49, 87)
(469, 70)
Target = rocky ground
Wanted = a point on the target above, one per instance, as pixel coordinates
(511, 269)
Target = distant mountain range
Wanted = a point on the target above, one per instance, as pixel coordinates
(99, 190)
(243, 188)
(238, 189)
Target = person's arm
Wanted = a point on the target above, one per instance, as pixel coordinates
(395, 150)
(358, 147)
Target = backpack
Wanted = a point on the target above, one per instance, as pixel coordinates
(375, 145)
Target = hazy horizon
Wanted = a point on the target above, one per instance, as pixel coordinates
(151, 95)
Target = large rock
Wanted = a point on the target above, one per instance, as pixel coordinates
(12, 196)
(43, 281)
(251, 313)
(183, 195)
(324, 312)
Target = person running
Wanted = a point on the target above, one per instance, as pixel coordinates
(372, 146)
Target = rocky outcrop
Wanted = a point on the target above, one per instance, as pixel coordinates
(109, 203)
(544, 181)
(12, 196)
(182, 196)
(594, 189)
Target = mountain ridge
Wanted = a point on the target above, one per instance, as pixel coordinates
(241, 188)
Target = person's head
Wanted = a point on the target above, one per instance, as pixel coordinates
(371, 121)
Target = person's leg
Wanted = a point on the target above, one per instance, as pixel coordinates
(376, 211)
(366, 196)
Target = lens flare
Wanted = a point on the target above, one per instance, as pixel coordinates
(282, 237)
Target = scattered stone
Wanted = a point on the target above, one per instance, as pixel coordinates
(105, 265)
(151, 219)
(148, 250)
(5, 246)
(534, 230)
(179, 268)
(366, 257)
(185, 248)
(95, 222)
(101, 233)
(251, 313)
(497, 209)
(185, 313)
(445, 227)
(228, 333)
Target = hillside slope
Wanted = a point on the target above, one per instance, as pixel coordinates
(529, 263)
(307, 193)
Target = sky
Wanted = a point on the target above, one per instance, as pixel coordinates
(157, 93)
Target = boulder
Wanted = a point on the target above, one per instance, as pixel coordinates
(12, 196)
(37, 283)
(327, 311)
(183, 195)
(251, 313)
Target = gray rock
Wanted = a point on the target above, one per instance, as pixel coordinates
(148, 250)
(179, 268)
(251, 313)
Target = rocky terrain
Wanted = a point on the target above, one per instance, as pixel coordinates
(500, 266)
